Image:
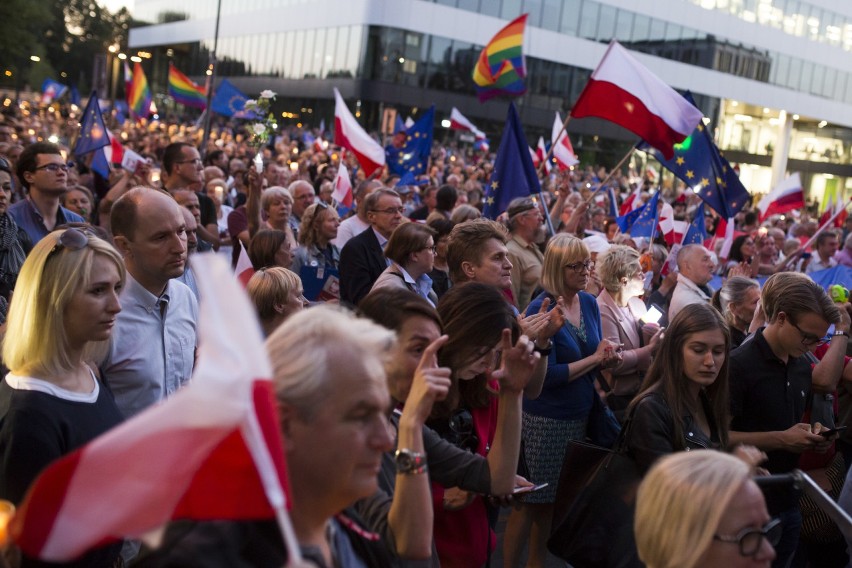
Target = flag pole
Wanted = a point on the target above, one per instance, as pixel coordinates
(553, 145)
(205, 139)
(611, 173)
(824, 226)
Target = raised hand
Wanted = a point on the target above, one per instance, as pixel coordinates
(430, 383)
(517, 365)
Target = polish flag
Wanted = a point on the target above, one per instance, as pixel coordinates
(728, 226)
(840, 207)
(672, 229)
(631, 203)
(625, 92)
(212, 451)
(244, 269)
(115, 151)
(342, 192)
(563, 151)
(541, 152)
(786, 197)
(349, 134)
(459, 122)
(829, 210)
(535, 159)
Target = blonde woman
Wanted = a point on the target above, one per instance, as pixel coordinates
(319, 227)
(702, 509)
(276, 294)
(60, 321)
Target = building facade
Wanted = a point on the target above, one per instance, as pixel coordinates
(773, 76)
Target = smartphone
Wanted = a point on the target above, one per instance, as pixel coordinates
(529, 489)
(832, 432)
(806, 255)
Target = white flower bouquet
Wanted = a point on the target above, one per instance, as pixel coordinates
(264, 128)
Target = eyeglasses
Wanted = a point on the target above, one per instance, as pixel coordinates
(70, 239)
(53, 168)
(433, 248)
(750, 540)
(390, 210)
(581, 266)
(462, 432)
(196, 161)
(808, 340)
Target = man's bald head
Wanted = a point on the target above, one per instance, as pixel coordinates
(123, 217)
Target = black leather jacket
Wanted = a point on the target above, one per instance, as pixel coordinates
(651, 431)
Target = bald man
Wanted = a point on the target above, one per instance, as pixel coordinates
(153, 345)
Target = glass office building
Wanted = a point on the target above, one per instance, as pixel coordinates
(773, 76)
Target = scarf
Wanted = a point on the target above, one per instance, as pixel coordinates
(11, 254)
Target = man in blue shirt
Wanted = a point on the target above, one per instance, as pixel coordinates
(44, 174)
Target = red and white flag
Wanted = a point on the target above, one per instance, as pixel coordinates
(349, 134)
(631, 203)
(672, 230)
(212, 451)
(787, 196)
(541, 152)
(535, 159)
(841, 208)
(244, 269)
(342, 192)
(625, 92)
(459, 122)
(728, 227)
(563, 151)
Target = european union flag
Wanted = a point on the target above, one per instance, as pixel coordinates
(514, 174)
(409, 179)
(626, 221)
(93, 131)
(413, 157)
(99, 164)
(228, 100)
(75, 96)
(646, 223)
(698, 162)
(696, 234)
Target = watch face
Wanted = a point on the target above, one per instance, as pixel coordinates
(403, 461)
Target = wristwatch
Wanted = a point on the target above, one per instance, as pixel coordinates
(409, 462)
(838, 332)
(545, 351)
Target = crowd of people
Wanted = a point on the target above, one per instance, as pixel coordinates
(431, 365)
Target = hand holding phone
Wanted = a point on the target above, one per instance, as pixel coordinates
(831, 432)
(529, 488)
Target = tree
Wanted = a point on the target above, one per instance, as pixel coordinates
(22, 25)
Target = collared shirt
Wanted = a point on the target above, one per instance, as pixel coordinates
(527, 261)
(686, 292)
(395, 276)
(153, 345)
(767, 394)
(30, 219)
(382, 242)
(816, 264)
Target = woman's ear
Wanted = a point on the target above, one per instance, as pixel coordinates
(286, 416)
(279, 308)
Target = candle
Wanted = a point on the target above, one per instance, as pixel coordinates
(7, 511)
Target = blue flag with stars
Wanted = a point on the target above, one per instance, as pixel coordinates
(645, 224)
(514, 174)
(698, 162)
(696, 234)
(413, 156)
(93, 131)
(613, 202)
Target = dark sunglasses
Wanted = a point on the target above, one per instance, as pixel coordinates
(70, 239)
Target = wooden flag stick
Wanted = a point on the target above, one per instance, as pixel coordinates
(611, 173)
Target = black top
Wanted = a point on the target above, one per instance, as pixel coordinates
(651, 433)
(362, 261)
(36, 428)
(768, 395)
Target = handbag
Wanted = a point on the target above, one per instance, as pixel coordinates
(592, 523)
(602, 427)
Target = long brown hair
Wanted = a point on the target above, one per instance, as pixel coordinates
(474, 317)
(666, 375)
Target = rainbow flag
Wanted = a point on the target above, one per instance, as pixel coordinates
(184, 91)
(501, 68)
(139, 94)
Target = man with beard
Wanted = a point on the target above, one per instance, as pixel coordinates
(153, 345)
(526, 228)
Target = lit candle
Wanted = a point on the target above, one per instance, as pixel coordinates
(7, 511)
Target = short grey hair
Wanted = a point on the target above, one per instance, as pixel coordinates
(270, 194)
(300, 350)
